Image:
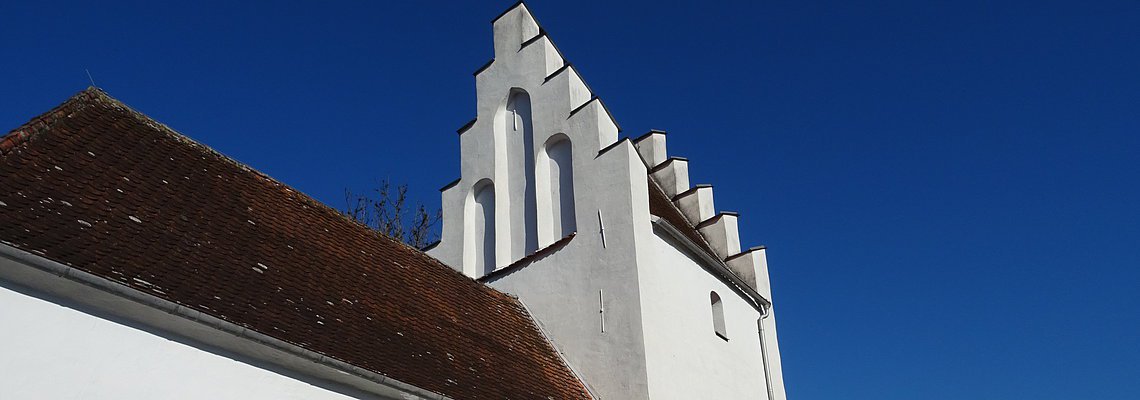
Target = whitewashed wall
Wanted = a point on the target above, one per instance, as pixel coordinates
(628, 310)
(573, 289)
(685, 359)
(508, 145)
(56, 352)
(507, 141)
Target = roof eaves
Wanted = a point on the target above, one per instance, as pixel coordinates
(101, 103)
(715, 265)
(166, 307)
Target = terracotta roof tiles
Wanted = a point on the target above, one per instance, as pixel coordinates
(100, 187)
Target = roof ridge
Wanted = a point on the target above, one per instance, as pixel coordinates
(26, 131)
(303, 196)
(114, 124)
(93, 95)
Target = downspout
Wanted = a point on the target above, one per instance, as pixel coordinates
(764, 312)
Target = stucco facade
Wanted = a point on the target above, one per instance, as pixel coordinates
(74, 335)
(70, 353)
(588, 265)
(625, 297)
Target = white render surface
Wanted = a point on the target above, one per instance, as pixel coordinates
(606, 191)
(722, 235)
(697, 204)
(510, 135)
(41, 299)
(57, 352)
(673, 176)
(752, 267)
(626, 305)
(685, 358)
(651, 146)
(579, 290)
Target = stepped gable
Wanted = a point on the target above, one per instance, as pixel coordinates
(691, 211)
(99, 187)
(661, 206)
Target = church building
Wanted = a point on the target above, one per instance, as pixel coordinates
(573, 263)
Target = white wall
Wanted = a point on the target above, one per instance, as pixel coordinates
(658, 340)
(55, 352)
(559, 157)
(518, 131)
(493, 149)
(685, 359)
(570, 290)
(481, 231)
(562, 290)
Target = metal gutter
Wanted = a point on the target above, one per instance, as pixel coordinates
(713, 264)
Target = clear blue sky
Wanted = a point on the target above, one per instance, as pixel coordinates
(949, 189)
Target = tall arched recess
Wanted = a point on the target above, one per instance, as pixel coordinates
(520, 138)
(560, 155)
(479, 254)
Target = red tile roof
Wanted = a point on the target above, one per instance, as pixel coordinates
(100, 187)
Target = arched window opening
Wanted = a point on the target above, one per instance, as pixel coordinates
(483, 229)
(520, 134)
(718, 315)
(560, 155)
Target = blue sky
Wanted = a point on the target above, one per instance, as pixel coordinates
(949, 189)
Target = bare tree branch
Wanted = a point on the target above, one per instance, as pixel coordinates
(386, 212)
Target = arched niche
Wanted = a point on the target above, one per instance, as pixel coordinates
(517, 132)
(560, 167)
(479, 220)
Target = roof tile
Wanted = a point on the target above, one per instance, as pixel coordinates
(98, 186)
